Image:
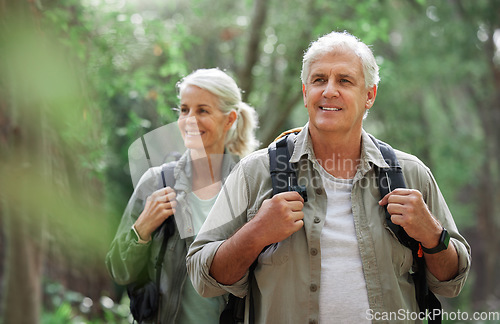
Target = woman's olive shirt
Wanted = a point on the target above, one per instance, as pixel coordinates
(126, 254)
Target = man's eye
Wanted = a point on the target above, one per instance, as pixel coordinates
(184, 111)
(345, 81)
(318, 80)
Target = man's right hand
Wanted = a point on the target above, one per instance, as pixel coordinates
(279, 217)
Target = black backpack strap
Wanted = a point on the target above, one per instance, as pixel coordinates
(283, 174)
(389, 179)
(168, 179)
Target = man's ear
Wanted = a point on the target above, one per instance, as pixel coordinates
(370, 97)
(304, 96)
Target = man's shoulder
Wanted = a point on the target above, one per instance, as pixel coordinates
(415, 171)
(256, 158)
(407, 159)
(255, 166)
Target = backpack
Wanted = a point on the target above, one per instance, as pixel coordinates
(284, 178)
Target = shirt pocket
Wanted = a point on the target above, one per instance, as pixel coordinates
(276, 253)
(402, 257)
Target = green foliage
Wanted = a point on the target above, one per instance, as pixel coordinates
(64, 306)
(105, 72)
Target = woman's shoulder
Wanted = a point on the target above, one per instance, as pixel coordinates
(149, 182)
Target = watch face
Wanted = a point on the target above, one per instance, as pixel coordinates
(445, 239)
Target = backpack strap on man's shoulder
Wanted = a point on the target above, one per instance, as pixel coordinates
(283, 174)
(290, 131)
(389, 179)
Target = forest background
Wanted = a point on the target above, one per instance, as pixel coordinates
(80, 80)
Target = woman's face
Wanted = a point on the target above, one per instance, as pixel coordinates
(202, 124)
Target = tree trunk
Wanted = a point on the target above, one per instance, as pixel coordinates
(21, 147)
(253, 48)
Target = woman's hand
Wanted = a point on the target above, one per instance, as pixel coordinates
(159, 206)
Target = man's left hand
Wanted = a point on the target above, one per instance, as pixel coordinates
(408, 209)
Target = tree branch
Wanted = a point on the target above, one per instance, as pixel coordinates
(253, 49)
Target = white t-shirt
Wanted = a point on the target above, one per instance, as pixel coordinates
(343, 296)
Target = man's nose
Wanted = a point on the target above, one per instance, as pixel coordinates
(331, 89)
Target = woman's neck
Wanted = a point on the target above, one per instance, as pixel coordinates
(207, 170)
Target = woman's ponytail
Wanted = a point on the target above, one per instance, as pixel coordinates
(241, 139)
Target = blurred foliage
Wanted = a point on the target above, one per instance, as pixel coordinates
(65, 306)
(88, 77)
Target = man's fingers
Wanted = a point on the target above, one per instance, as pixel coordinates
(296, 205)
(397, 219)
(384, 200)
(397, 196)
(393, 208)
(290, 196)
(298, 225)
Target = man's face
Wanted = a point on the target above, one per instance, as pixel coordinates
(335, 94)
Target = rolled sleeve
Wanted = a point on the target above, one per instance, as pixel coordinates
(420, 177)
(124, 257)
(452, 288)
(199, 260)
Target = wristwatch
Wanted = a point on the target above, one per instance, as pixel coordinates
(444, 240)
(139, 239)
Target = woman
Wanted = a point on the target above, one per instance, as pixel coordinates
(213, 122)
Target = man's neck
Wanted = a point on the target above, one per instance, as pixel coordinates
(338, 154)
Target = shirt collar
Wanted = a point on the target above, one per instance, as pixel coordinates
(370, 154)
(303, 145)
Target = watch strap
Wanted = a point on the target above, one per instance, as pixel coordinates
(444, 240)
(139, 239)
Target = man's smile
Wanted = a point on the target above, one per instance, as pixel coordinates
(330, 108)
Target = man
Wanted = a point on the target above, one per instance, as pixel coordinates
(331, 259)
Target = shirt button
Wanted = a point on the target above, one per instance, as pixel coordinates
(313, 287)
(319, 191)
(317, 220)
(312, 321)
(314, 251)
